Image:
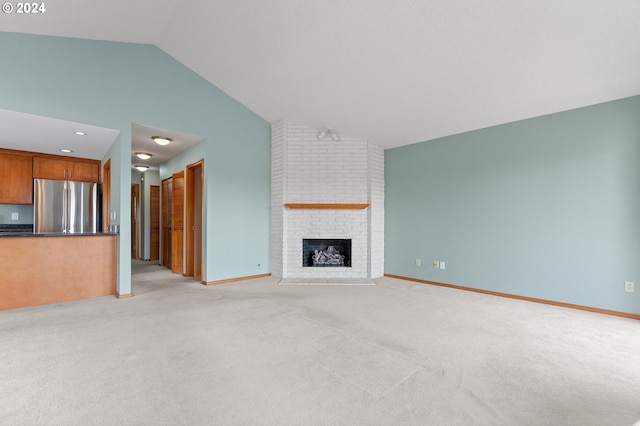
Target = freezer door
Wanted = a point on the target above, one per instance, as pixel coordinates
(49, 206)
(83, 207)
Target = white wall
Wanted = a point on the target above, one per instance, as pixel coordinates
(308, 170)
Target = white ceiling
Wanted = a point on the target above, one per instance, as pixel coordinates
(28, 132)
(397, 72)
(141, 142)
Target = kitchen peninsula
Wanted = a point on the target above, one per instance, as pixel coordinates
(41, 269)
(47, 266)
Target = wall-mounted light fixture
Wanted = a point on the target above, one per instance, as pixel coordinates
(329, 132)
(162, 140)
(143, 155)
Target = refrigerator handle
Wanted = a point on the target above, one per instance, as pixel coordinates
(65, 207)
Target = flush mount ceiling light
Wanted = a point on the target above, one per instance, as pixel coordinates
(143, 155)
(161, 140)
(79, 133)
(329, 132)
(66, 150)
(142, 168)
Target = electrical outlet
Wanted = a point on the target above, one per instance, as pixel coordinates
(629, 287)
(14, 216)
(442, 265)
(418, 262)
(436, 264)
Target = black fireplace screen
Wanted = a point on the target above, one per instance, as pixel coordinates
(322, 253)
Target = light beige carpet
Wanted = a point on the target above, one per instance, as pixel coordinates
(257, 353)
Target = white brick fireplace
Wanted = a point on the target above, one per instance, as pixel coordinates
(348, 175)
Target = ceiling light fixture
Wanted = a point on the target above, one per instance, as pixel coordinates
(329, 132)
(79, 133)
(143, 155)
(161, 140)
(66, 150)
(142, 168)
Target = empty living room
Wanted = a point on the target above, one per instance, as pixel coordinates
(320, 213)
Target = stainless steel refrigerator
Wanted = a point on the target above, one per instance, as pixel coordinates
(65, 206)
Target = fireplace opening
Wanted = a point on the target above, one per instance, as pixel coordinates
(322, 253)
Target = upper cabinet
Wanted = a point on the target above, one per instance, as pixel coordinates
(16, 184)
(66, 169)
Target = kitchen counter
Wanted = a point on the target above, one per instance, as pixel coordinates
(55, 268)
(52, 234)
(10, 227)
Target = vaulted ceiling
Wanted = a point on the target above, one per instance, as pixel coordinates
(397, 72)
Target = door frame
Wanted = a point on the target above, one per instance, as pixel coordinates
(191, 218)
(106, 195)
(135, 221)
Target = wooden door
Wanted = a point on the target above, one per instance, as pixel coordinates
(167, 202)
(193, 223)
(154, 219)
(177, 224)
(135, 221)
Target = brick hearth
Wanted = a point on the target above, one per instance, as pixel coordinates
(311, 175)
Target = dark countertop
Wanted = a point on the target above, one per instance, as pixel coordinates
(6, 227)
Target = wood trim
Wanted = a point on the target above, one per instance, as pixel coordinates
(135, 221)
(327, 206)
(190, 219)
(123, 296)
(50, 156)
(515, 296)
(231, 280)
(17, 152)
(106, 195)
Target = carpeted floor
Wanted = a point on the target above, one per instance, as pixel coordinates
(257, 353)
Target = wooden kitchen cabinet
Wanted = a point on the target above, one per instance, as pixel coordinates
(85, 172)
(66, 169)
(16, 185)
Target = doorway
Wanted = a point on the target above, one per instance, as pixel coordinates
(154, 222)
(194, 190)
(167, 210)
(135, 221)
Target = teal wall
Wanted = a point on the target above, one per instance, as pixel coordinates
(547, 207)
(111, 85)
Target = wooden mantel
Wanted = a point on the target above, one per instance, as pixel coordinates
(327, 206)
